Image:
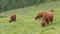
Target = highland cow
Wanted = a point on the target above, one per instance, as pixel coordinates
(13, 17)
(47, 17)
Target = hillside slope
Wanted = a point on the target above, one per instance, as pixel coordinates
(26, 24)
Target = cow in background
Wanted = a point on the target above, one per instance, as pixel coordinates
(12, 17)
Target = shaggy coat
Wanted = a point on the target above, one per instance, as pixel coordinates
(47, 17)
(39, 15)
(12, 18)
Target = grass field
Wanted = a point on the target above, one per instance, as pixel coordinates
(26, 24)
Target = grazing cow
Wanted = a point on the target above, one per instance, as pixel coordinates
(13, 17)
(47, 17)
(39, 15)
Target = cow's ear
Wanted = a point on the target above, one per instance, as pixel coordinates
(52, 10)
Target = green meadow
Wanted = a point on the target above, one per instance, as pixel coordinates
(25, 22)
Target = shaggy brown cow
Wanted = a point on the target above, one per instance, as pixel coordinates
(13, 17)
(47, 17)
